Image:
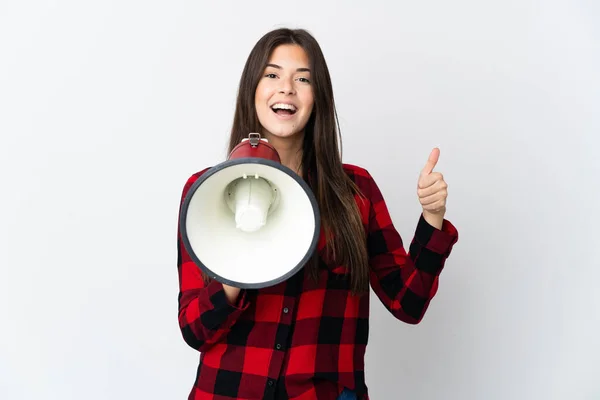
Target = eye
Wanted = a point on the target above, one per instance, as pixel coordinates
(270, 76)
(306, 80)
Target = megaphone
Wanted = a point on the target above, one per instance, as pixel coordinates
(250, 221)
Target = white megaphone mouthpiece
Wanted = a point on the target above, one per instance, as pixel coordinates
(251, 199)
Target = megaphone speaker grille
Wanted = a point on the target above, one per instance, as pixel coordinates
(257, 236)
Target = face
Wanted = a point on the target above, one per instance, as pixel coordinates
(284, 96)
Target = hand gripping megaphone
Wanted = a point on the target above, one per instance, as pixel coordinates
(250, 222)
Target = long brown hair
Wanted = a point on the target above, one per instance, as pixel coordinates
(322, 152)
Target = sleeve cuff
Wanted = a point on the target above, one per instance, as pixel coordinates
(220, 302)
(439, 241)
(241, 303)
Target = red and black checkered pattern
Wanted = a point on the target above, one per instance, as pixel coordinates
(299, 339)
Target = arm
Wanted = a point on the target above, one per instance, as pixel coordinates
(207, 310)
(405, 282)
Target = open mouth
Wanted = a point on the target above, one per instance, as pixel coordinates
(283, 109)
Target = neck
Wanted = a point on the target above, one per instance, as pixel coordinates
(289, 149)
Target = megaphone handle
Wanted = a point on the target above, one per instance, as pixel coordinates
(254, 139)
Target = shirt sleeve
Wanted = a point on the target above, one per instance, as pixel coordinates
(405, 282)
(205, 315)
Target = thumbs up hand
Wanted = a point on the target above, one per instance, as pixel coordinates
(432, 191)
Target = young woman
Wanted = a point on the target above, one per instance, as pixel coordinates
(305, 338)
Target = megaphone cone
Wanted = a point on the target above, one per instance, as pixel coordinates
(250, 222)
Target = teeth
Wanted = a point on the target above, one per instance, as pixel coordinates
(283, 106)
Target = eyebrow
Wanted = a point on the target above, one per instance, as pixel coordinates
(297, 69)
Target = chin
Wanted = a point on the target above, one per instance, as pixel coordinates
(283, 131)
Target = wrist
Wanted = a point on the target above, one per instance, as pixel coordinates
(435, 220)
(231, 293)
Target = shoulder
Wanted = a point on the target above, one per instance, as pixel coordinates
(357, 173)
(365, 182)
(360, 176)
(192, 179)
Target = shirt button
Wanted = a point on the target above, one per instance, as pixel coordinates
(270, 382)
(285, 310)
(278, 346)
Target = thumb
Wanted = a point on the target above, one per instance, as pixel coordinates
(431, 162)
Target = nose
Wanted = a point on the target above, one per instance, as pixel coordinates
(286, 86)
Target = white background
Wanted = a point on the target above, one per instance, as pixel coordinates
(107, 107)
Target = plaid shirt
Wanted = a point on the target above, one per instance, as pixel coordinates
(299, 341)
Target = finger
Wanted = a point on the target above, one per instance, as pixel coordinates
(426, 181)
(437, 186)
(432, 198)
(431, 161)
(429, 192)
(436, 206)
